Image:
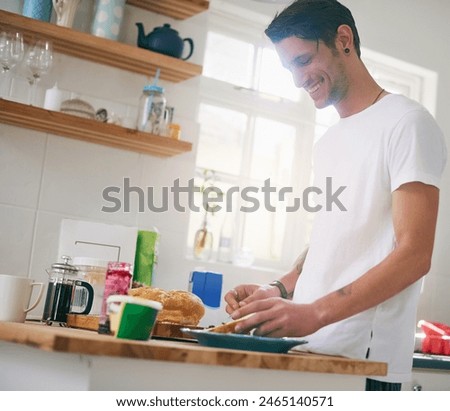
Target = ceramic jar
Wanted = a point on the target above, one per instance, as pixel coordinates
(108, 18)
(38, 9)
(65, 11)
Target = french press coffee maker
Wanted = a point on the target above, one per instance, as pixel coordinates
(66, 293)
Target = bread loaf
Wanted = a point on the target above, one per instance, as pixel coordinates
(229, 327)
(179, 307)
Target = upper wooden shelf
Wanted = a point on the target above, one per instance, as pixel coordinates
(178, 9)
(100, 50)
(93, 131)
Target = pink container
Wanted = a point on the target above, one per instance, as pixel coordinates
(117, 282)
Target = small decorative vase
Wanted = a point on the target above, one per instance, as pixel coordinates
(203, 242)
(108, 18)
(65, 11)
(38, 9)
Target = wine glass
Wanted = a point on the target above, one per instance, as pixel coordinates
(11, 52)
(39, 61)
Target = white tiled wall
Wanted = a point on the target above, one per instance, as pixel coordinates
(21, 159)
(17, 227)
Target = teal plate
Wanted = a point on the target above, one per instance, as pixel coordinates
(243, 341)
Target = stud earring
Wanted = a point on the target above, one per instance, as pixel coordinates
(346, 50)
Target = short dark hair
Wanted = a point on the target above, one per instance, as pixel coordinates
(313, 20)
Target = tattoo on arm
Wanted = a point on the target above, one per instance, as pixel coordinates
(345, 291)
(300, 261)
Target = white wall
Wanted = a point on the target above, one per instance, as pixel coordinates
(45, 178)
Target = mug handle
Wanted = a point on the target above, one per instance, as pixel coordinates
(41, 289)
(90, 296)
(191, 44)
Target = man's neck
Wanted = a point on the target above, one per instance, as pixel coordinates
(363, 92)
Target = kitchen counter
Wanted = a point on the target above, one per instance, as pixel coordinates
(431, 361)
(36, 356)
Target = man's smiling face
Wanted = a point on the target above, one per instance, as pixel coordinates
(316, 68)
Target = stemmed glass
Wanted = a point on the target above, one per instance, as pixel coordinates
(39, 61)
(11, 52)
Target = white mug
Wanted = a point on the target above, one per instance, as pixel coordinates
(15, 294)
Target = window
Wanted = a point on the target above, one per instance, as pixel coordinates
(246, 148)
(229, 59)
(251, 135)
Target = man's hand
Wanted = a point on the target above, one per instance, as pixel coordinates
(277, 317)
(246, 293)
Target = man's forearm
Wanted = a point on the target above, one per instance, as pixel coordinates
(289, 280)
(414, 210)
(399, 270)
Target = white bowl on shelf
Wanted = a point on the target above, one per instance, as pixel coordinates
(78, 107)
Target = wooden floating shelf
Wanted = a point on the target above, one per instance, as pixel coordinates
(99, 50)
(92, 131)
(178, 9)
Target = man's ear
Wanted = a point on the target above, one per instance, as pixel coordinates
(344, 38)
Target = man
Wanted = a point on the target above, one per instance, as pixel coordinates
(354, 292)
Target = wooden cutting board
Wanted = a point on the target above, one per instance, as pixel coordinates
(169, 330)
(85, 322)
(162, 329)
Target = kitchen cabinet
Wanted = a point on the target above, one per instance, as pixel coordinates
(107, 52)
(430, 373)
(428, 380)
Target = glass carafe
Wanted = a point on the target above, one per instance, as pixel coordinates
(66, 294)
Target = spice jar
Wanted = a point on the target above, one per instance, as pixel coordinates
(174, 131)
(152, 107)
(203, 242)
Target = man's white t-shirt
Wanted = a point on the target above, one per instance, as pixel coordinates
(371, 154)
